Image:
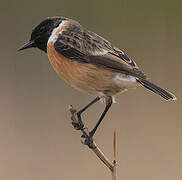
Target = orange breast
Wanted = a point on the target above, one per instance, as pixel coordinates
(83, 76)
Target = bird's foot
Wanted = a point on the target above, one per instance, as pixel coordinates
(78, 125)
(88, 140)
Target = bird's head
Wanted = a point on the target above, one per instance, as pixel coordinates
(41, 33)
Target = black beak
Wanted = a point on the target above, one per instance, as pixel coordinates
(27, 45)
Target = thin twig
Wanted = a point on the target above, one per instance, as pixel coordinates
(114, 145)
(114, 177)
(93, 146)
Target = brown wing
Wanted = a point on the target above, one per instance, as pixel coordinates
(78, 44)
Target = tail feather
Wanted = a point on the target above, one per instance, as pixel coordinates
(147, 84)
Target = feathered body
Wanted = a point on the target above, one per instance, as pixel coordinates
(87, 78)
(92, 64)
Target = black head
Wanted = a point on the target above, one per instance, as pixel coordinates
(41, 33)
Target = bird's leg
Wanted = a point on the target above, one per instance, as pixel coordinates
(89, 140)
(80, 125)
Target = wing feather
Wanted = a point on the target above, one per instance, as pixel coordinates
(87, 47)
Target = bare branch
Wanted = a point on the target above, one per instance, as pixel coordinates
(114, 161)
(93, 146)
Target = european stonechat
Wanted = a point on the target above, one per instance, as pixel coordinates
(89, 62)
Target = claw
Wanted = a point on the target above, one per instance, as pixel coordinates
(88, 141)
(78, 126)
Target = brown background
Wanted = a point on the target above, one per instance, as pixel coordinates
(37, 141)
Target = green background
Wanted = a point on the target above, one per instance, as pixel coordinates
(37, 140)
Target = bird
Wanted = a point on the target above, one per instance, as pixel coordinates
(89, 63)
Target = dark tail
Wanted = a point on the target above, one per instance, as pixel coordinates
(147, 84)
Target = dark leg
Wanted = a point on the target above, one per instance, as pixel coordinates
(80, 125)
(89, 139)
(88, 105)
(108, 105)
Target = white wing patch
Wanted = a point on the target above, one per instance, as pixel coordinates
(99, 52)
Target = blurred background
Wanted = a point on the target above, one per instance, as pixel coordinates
(37, 140)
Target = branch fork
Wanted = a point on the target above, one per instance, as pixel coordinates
(92, 144)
